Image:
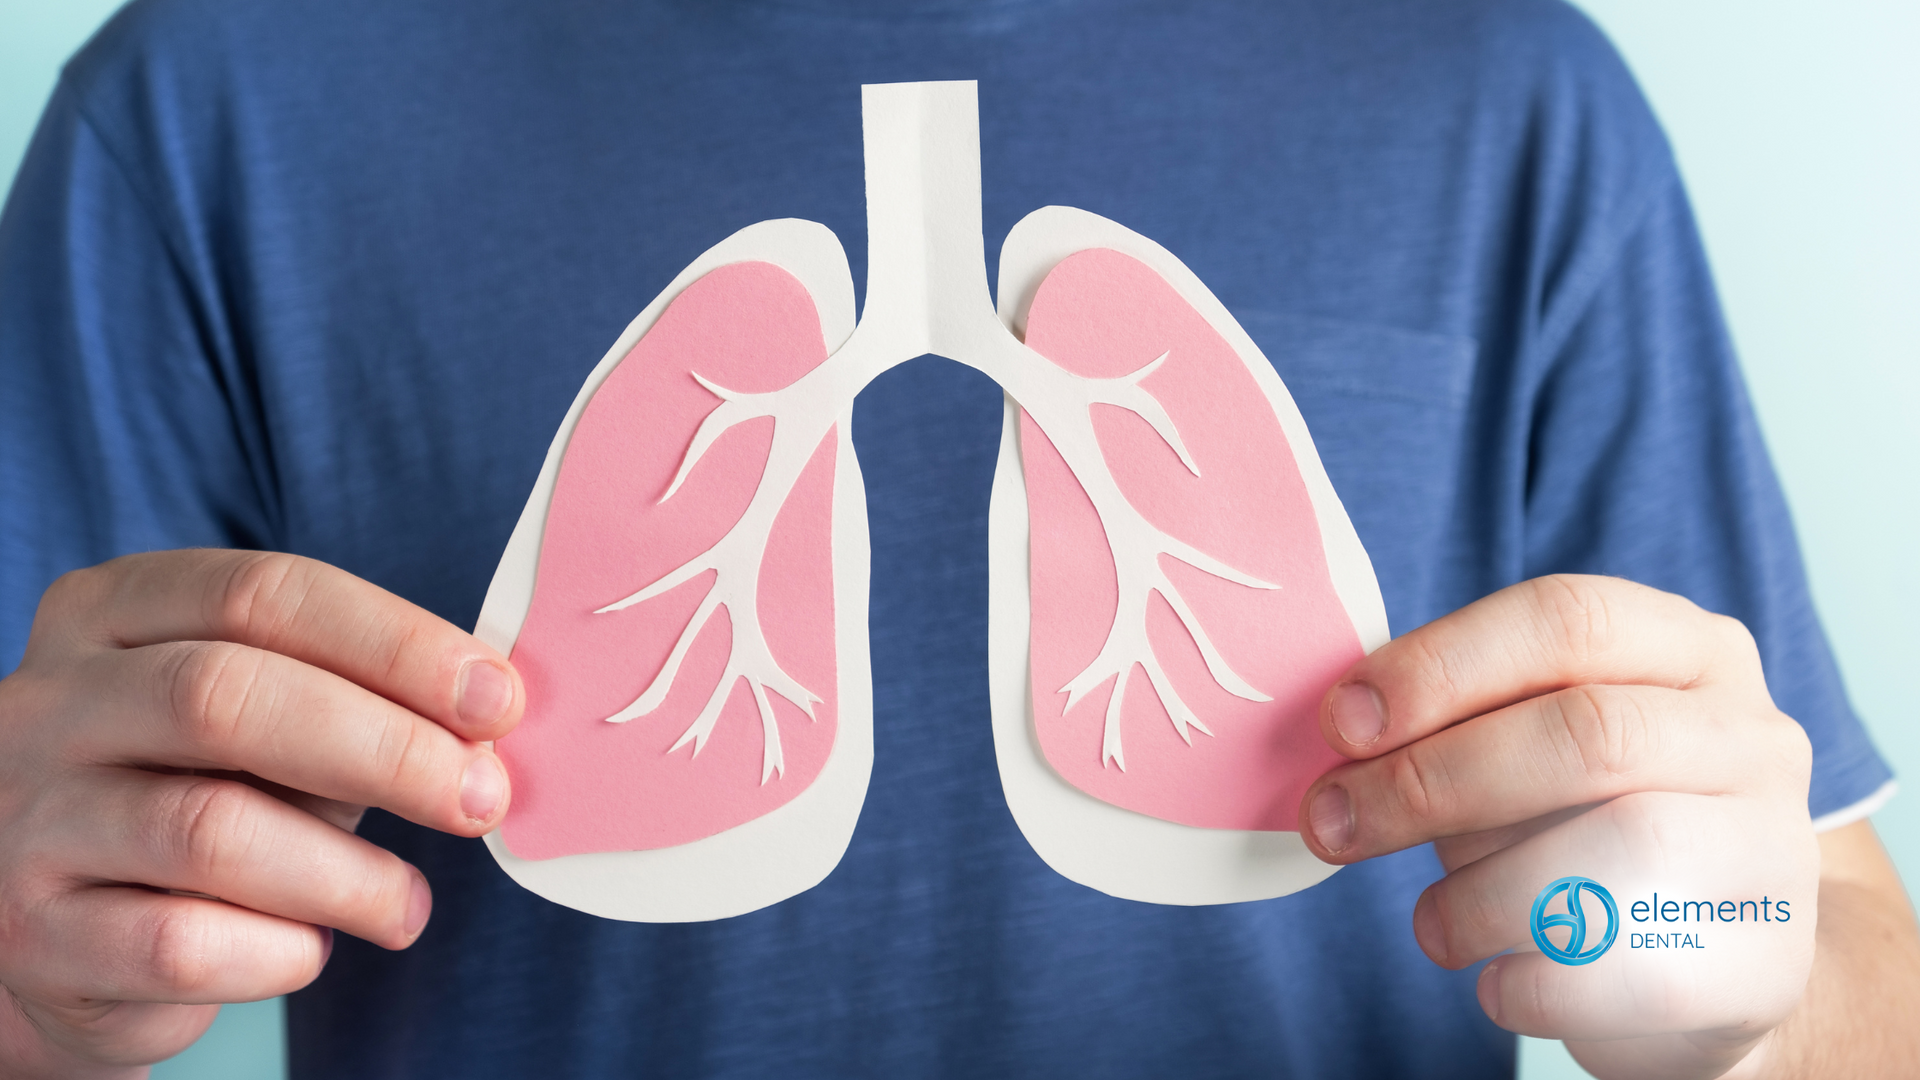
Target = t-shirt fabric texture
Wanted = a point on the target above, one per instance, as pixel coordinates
(323, 277)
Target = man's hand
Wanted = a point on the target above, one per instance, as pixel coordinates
(185, 750)
(1587, 726)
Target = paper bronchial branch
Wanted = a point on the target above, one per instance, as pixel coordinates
(927, 294)
(735, 564)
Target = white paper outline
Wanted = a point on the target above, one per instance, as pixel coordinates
(927, 293)
(1106, 847)
(794, 847)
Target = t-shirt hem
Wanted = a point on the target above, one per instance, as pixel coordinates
(1859, 810)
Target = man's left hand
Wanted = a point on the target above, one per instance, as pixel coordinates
(1587, 726)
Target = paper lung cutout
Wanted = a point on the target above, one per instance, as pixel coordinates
(1146, 639)
(686, 589)
(728, 661)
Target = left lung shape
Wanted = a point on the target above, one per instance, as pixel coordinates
(1216, 725)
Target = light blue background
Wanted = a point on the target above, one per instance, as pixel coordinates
(1798, 128)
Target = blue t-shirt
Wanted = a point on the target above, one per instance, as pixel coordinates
(324, 275)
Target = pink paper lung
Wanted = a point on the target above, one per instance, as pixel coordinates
(581, 783)
(1101, 313)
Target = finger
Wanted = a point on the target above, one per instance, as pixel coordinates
(1455, 852)
(1692, 1054)
(1637, 977)
(305, 609)
(1529, 639)
(94, 945)
(227, 840)
(1582, 745)
(1638, 997)
(1687, 847)
(344, 816)
(216, 705)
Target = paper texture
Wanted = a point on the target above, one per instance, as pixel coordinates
(687, 586)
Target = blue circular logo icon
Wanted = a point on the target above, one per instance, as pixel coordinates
(1577, 892)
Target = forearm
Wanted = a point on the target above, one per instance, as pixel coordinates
(1860, 1017)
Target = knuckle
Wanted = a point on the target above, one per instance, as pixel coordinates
(69, 611)
(18, 932)
(1419, 782)
(260, 595)
(347, 898)
(31, 940)
(401, 644)
(180, 953)
(74, 590)
(1605, 730)
(405, 754)
(35, 846)
(1470, 914)
(23, 871)
(1577, 611)
(209, 688)
(1798, 749)
(1436, 672)
(1792, 750)
(374, 897)
(1481, 912)
(210, 829)
(1636, 817)
(1733, 634)
(1541, 1001)
(1737, 646)
(1652, 837)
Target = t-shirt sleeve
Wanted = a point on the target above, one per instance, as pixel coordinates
(118, 425)
(1647, 463)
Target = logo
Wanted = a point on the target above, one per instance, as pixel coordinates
(1579, 893)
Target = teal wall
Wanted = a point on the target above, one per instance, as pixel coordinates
(1798, 127)
(35, 38)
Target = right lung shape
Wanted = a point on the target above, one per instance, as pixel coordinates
(746, 705)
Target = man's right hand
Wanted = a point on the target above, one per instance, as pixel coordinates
(193, 725)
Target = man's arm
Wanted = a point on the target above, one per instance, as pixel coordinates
(1857, 1018)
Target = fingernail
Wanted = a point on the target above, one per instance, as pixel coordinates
(1488, 990)
(419, 906)
(1331, 818)
(1427, 929)
(326, 945)
(486, 693)
(1358, 713)
(482, 788)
